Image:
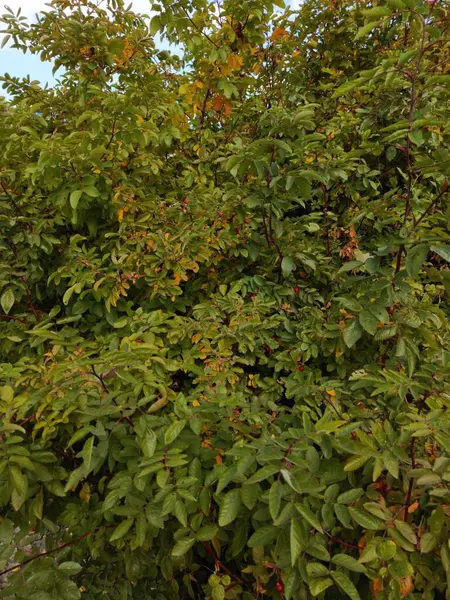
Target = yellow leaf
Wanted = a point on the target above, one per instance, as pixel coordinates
(309, 159)
(139, 119)
(196, 337)
(196, 403)
(234, 62)
(120, 214)
(331, 393)
(225, 70)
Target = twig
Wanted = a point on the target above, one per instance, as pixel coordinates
(10, 196)
(325, 214)
(29, 301)
(220, 564)
(197, 29)
(333, 538)
(47, 552)
(412, 106)
(411, 480)
(100, 378)
(432, 204)
(202, 120)
(12, 317)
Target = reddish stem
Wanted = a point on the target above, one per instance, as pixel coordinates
(220, 564)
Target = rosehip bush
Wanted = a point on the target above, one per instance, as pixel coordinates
(224, 290)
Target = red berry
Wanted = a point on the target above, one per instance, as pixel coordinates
(301, 368)
(279, 586)
(247, 221)
(220, 214)
(296, 290)
(185, 201)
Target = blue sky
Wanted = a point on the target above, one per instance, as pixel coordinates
(18, 64)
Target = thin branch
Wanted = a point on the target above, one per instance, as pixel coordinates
(432, 205)
(10, 196)
(412, 107)
(220, 564)
(325, 214)
(202, 120)
(100, 378)
(199, 30)
(47, 552)
(333, 538)
(411, 480)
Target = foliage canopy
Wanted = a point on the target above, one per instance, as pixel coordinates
(224, 291)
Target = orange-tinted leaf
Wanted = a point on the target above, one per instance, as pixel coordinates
(406, 586)
(279, 34)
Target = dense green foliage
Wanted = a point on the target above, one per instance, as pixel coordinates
(224, 289)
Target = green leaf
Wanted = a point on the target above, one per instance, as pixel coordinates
(342, 513)
(264, 473)
(297, 545)
(406, 530)
(7, 300)
(415, 259)
(348, 562)
(70, 568)
(287, 265)
(364, 31)
(206, 533)
(350, 495)
(18, 479)
(346, 585)
(376, 12)
(148, 444)
(92, 191)
(352, 333)
(182, 546)
(121, 529)
(155, 25)
(249, 494)
(275, 495)
(319, 585)
(368, 321)
(75, 198)
(229, 507)
(180, 512)
(366, 520)
(5, 40)
(443, 251)
(86, 453)
(173, 431)
(309, 516)
(355, 462)
(427, 542)
(263, 536)
(387, 550)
